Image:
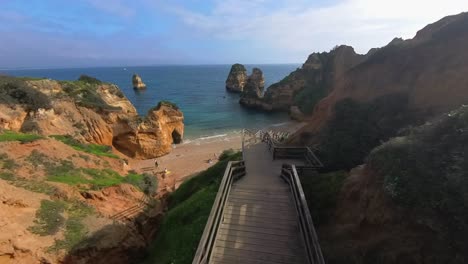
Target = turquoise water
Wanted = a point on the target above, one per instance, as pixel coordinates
(199, 91)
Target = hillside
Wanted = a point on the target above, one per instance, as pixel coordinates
(407, 203)
(90, 111)
(59, 197)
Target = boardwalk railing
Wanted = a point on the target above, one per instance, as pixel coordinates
(314, 252)
(283, 152)
(234, 171)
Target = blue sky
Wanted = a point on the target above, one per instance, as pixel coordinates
(86, 33)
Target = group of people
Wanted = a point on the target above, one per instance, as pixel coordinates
(164, 172)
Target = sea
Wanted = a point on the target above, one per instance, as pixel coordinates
(199, 91)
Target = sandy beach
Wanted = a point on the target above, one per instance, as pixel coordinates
(196, 155)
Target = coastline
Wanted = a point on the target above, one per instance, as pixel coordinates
(195, 155)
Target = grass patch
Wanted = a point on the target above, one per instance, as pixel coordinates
(8, 176)
(189, 207)
(34, 186)
(75, 231)
(8, 135)
(49, 218)
(98, 150)
(321, 191)
(146, 183)
(7, 163)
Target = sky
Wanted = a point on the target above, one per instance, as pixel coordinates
(88, 33)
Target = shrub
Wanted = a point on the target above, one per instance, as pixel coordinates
(168, 104)
(146, 183)
(426, 171)
(89, 79)
(86, 95)
(15, 91)
(357, 128)
(321, 191)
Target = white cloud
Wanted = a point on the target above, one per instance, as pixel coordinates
(296, 28)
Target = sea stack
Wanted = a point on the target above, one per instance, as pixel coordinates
(237, 78)
(253, 89)
(137, 82)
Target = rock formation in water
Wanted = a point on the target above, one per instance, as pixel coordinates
(237, 78)
(137, 82)
(253, 89)
(90, 112)
(154, 135)
(307, 85)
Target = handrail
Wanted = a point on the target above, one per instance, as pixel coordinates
(234, 171)
(286, 152)
(314, 252)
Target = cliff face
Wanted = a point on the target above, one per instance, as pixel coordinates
(431, 69)
(91, 112)
(308, 84)
(153, 136)
(253, 89)
(237, 78)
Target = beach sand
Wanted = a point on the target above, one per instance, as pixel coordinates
(193, 156)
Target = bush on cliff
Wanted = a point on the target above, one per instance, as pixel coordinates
(426, 171)
(357, 128)
(85, 94)
(16, 91)
(89, 79)
(189, 207)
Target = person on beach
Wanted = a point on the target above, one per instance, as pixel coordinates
(156, 164)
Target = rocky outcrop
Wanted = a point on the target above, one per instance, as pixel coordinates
(434, 84)
(137, 82)
(237, 78)
(253, 89)
(154, 135)
(90, 112)
(308, 84)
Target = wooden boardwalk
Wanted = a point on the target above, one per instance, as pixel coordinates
(260, 222)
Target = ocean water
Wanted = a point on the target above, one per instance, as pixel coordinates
(199, 91)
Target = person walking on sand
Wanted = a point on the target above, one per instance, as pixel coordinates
(156, 164)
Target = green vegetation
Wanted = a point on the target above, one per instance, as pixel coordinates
(75, 230)
(357, 128)
(34, 186)
(168, 104)
(189, 207)
(8, 135)
(146, 183)
(84, 92)
(65, 172)
(98, 150)
(89, 79)
(16, 91)
(49, 218)
(7, 163)
(426, 171)
(321, 191)
(54, 215)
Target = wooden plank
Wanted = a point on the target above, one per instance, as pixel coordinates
(259, 209)
(266, 214)
(261, 220)
(254, 255)
(263, 230)
(244, 234)
(272, 225)
(263, 248)
(259, 241)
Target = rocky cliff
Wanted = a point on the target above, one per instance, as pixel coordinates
(253, 89)
(138, 82)
(307, 85)
(89, 111)
(237, 78)
(430, 69)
